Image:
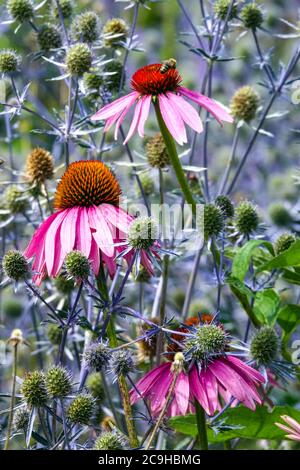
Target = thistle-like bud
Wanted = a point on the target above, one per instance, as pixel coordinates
(21, 419)
(157, 153)
(221, 8)
(114, 69)
(54, 334)
(12, 308)
(15, 265)
(209, 340)
(49, 37)
(95, 386)
(225, 205)
(16, 202)
(142, 233)
(64, 285)
(115, 31)
(252, 16)
(93, 81)
(20, 10)
(147, 183)
(81, 409)
(284, 242)
(246, 217)
(97, 356)
(264, 345)
(122, 363)
(39, 165)
(9, 61)
(77, 265)
(58, 382)
(79, 59)
(213, 220)
(111, 441)
(66, 7)
(244, 104)
(280, 215)
(34, 389)
(85, 27)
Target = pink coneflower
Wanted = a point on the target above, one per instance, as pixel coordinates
(151, 83)
(87, 218)
(210, 373)
(294, 429)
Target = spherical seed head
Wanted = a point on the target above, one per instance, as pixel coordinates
(122, 362)
(209, 340)
(221, 8)
(142, 233)
(246, 217)
(20, 10)
(66, 7)
(49, 37)
(280, 215)
(115, 70)
(79, 59)
(81, 409)
(284, 242)
(9, 61)
(264, 345)
(54, 334)
(111, 441)
(64, 285)
(77, 265)
(95, 386)
(58, 382)
(93, 81)
(85, 27)
(213, 220)
(15, 265)
(157, 153)
(252, 16)
(97, 356)
(225, 205)
(12, 308)
(147, 183)
(115, 31)
(16, 202)
(21, 419)
(244, 104)
(40, 165)
(87, 183)
(34, 389)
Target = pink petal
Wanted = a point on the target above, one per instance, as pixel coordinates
(95, 257)
(146, 102)
(117, 217)
(102, 235)
(52, 242)
(68, 230)
(145, 383)
(135, 120)
(211, 386)
(187, 112)
(38, 236)
(292, 422)
(173, 119)
(197, 390)
(182, 392)
(115, 107)
(254, 374)
(83, 232)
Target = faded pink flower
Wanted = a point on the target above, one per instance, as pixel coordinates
(294, 429)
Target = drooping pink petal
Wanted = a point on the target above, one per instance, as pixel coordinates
(83, 232)
(117, 217)
(145, 383)
(211, 386)
(186, 111)
(292, 422)
(254, 374)
(52, 242)
(38, 236)
(115, 107)
(135, 120)
(95, 257)
(110, 264)
(182, 393)
(68, 230)
(172, 119)
(230, 379)
(101, 235)
(219, 111)
(197, 390)
(146, 102)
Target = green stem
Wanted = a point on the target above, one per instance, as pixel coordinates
(170, 144)
(201, 425)
(13, 394)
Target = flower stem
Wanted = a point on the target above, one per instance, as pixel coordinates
(201, 425)
(170, 144)
(13, 394)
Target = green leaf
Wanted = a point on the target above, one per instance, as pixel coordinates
(290, 257)
(289, 318)
(248, 424)
(266, 306)
(244, 294)
(242, 259)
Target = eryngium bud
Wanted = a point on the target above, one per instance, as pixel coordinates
(111, 441)
(221, 8)
(77, 265)
(16, 202)
(96, 356)
(9, 61)
(246, 217)
(244, 104)
(208, 340)
(114, 71)
(284, 242)
(21, 419)
(39, 165)
(252, 16)
(64, 285)
(54, 334)
(280, 215)
(15, 265)
(66, 7)
(225, 205)
(81, 409)
(34, 389)
(93, 81)
(122, 362)
(148, 184)
(213, 220)
(115, 31)
(95, 386)
(49, 37)
(12, 308)
(58, 382)
(264, 345)
(85, 27)
(79, 59)
(142, 233)
(20, 10)
(157, 153)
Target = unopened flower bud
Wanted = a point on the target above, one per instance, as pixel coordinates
(79, 59)
(85, 27)
(9, 61)
(66, 8)
(157, 153)
(49, 37)
(213, 220)
(284, 242)
(225, 205)
(244, 104)
(15, 265)
(77, 265)
(40, 165)
(81, 409)
(34, 389)
(264, 345)
(221, 8)
(252, 16)
(115, 31)
(96, 356)
(247, 219)
(58, 382)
